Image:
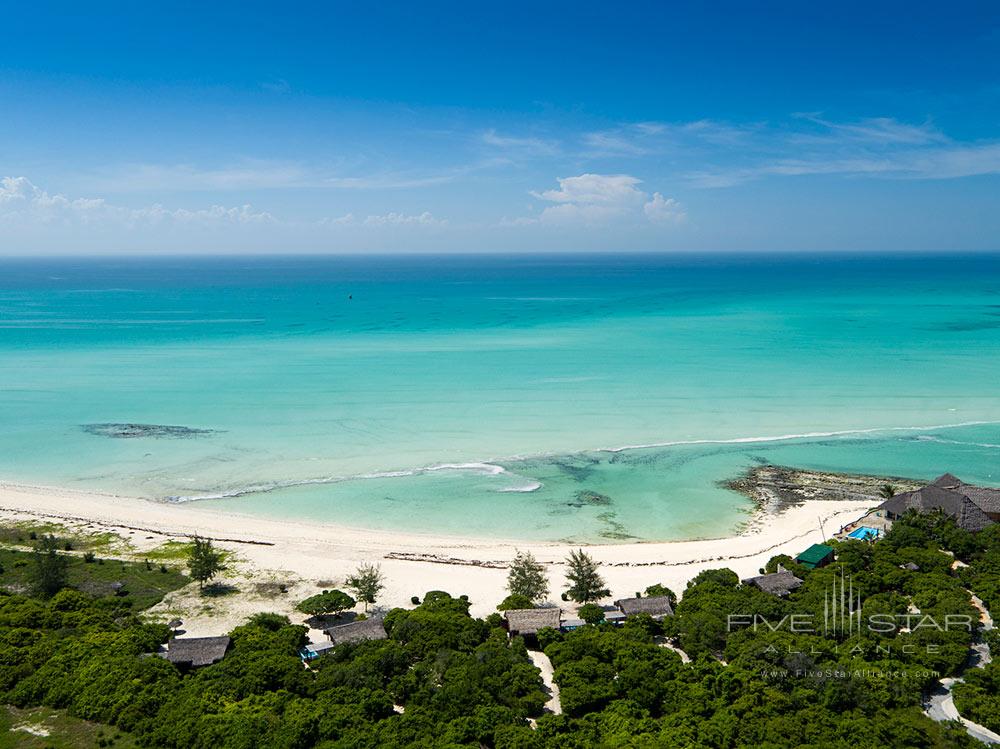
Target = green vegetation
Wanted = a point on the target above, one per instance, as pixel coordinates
(44, 728)
(591, 613)
(656, 590)
(526, 578)
(515, 601)
(50, 571)
(585, 583)
(463, 684)
(366, 583)
(328, 602)
(26, 533)
(204, 561)
(171, 551)
(978, 697)
(143, 585)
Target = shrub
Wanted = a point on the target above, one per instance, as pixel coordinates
(591, 613)
(328, 602)
(515, 601)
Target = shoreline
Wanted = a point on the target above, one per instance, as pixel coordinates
(495, 465)
(309, 553)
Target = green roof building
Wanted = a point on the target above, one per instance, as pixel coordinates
(815, 556)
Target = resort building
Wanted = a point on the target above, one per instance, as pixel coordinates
(817, 555)
(192, 652)
(988, 500)
(527, 622)
(933, 498)
(779, 583)
(656, 606)
(366, 629)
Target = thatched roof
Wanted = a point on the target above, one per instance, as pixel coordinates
(196, 651)
(987, 499)
(529, 621)
(655, 606)
(966, 513)
(779, 583)
(366, 629)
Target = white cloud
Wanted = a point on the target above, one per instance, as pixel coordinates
(880, 130)
(402, 219)
(24, 202)
(611, 143)
(592, 189)
(662, 210)
(518, 143)
(601, 199)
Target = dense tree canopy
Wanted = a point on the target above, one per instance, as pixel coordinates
(446, 679)
(328, 602)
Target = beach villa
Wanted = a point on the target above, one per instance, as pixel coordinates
(359, 631)
(949, 495)
(971, 507)
(779, 583)
(656, 606)
(527, 622)
(193, 652)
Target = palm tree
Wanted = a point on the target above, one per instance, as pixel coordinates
(888, 491)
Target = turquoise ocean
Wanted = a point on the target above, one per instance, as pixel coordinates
(583, 397)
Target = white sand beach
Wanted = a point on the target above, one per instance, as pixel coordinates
(307, 556)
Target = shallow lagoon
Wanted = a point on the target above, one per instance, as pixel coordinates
(310, 371)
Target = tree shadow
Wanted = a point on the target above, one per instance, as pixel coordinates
(216, 590)
(325, 621)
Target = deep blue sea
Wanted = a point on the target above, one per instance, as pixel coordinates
(493, 396)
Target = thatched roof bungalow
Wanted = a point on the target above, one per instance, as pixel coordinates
(527, 622)
(193, 652)
(366, 629)
(656, 606)
(932, 498)
(779, 583)
(987, 499)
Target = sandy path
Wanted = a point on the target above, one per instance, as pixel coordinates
(544, 665)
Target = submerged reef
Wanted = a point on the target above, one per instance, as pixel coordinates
(137, 431)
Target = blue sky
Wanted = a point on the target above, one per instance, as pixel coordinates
(257, 127)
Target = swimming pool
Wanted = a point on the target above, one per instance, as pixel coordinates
(864, 533)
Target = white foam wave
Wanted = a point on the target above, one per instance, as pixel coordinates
(797, 436)
(527, 488)
(493, 469)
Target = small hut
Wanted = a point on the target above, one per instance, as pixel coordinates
(779, 583)
(817, 555)
(656, 606)
(193, 652)
(527, 622)
(366, 629)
